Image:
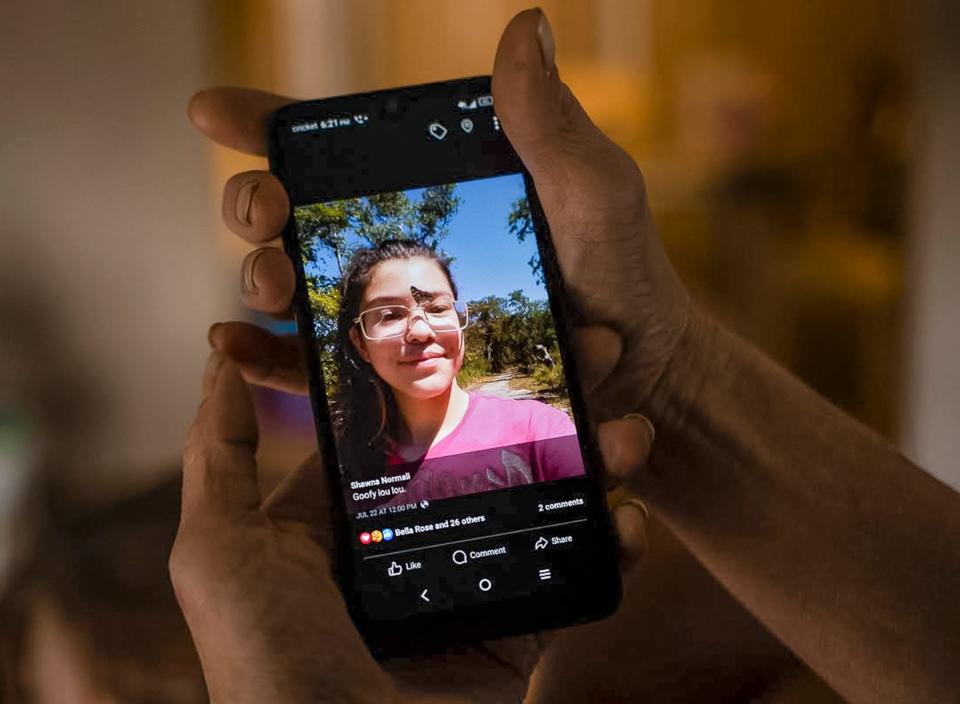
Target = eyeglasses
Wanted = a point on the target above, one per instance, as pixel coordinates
(384, 322)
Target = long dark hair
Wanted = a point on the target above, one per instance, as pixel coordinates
(365, 414)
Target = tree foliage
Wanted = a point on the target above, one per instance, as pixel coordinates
(323, 226)
(324, 296)
(520, 224)
(505, 332)
(511, 332)
(335, 230)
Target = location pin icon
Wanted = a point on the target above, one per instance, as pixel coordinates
(466, 124)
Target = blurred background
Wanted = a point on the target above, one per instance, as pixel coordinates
(801, 163)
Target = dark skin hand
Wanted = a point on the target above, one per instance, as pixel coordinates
(253, 577)
(842, 548)
(216, 548)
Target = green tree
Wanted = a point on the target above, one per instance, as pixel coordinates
(506, 332)
(337, 229)
(527, 325)
(324, 296)
(322, 227)
(520, 224)
(485, 332)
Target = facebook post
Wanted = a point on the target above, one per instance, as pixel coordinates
(436, 342)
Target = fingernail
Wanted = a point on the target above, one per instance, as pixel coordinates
(625, 444)
(631, 518)
(548, 48)
(636, 505)
(248, 275)
(214, 362)
(241, 206)
(211, 333)
(648, 426)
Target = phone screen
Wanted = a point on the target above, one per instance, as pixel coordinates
(466, 474)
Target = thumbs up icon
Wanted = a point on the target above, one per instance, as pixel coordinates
(394, 569)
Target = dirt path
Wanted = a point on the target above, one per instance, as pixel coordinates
(512, 384)
(499, 385)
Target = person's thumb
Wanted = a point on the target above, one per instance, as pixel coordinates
(615, 272)
(591, 191)
(219, 464)
(551, 132)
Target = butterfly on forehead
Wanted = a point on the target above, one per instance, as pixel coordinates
(420, 296)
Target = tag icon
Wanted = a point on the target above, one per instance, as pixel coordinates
(437, 130)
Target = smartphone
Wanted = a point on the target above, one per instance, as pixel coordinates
(466, 481)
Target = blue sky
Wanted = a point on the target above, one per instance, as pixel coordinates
(488, 260)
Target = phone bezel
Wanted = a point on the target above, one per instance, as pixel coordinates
(470, 160)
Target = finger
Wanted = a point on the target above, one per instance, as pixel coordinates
(219, 465)
(551, 132)
(598, 350)
(302, 500)
(631, 519)
(267, 280)
(235, 117)
(255, 206)
(625, 444)
(594, 199)
(264, 359)
(526, 85)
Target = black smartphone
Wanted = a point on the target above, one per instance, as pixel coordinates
(467, 486)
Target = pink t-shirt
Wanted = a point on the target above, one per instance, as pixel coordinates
(499, 443)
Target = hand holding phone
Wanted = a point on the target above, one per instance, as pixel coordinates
(466, 481)
(627, 300)
(228, 115)
(254, 581)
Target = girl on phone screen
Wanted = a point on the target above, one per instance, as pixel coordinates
(401, 418)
